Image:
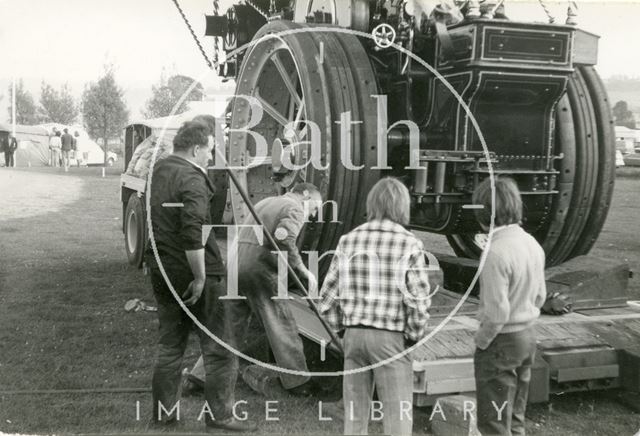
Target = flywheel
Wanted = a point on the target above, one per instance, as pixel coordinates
(309, 84)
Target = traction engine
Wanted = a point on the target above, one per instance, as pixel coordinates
(414, 92)
(440, 96)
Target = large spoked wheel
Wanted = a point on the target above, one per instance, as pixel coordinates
(585, 136)
(305, 82)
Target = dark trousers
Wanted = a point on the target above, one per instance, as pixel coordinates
(221, 366)
(258, 283)
(8, 158)
(503, 373)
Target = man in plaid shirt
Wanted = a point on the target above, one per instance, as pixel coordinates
(377, 292)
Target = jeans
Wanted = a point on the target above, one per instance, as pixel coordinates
(503, 373)
(393, 382)
(221, 366)
(259, 284)
(65, 159)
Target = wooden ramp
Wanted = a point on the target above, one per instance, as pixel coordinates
(593, 349)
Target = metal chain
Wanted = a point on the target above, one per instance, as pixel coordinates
(260, 11)
(216, 44)
(546, 11)
(195, 38)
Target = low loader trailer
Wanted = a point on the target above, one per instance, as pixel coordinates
(595, 347)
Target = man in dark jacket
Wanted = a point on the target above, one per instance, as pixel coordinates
(180, 196)
(10, 147)
(67, 146)
(4, 145)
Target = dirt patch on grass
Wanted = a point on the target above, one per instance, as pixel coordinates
(26, 194)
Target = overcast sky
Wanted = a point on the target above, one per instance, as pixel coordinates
(70, 40)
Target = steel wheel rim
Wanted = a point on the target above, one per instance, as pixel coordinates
(327, 86)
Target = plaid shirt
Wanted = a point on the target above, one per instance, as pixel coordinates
(378, 278)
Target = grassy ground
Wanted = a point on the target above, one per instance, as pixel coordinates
(64, 280)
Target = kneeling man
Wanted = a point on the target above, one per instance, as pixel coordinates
(259, 283)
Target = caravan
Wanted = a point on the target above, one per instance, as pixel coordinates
(89, 153)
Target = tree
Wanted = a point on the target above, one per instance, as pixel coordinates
(57, 106)
(25, 106)
(165, 96)
(104, 110)
(623, 116)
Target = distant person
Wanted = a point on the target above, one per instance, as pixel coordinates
(4, 144)
(512, 290)
(55, 145)
(9, 151)
(74, 147)
(67, 146)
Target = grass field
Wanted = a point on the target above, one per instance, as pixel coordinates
(64, 280)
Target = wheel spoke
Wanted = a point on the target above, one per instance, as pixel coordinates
(272, 111)
(259, 161)
(286, 78)
(299, 133)
(292, 109)
(303, 132)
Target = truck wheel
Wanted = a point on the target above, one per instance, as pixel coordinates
(135, 231)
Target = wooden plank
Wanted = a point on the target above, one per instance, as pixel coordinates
(449, 386)
(445, 368)
(447, 345)
(570, 335)
(468, 322)
(611, 312)
(308, 323)
(587, 373)
(587, 316)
